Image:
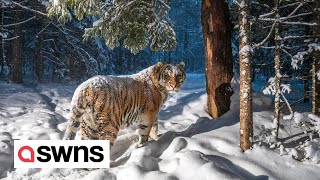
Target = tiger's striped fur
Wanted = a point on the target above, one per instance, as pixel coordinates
(104, 104)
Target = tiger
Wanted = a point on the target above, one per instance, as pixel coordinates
(103, 105)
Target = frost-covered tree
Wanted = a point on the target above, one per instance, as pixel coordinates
(135, 23)
(286, 21)
(245, 52)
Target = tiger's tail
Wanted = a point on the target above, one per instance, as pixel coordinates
(74, 122)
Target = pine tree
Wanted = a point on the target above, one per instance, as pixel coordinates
(136, 23)
(216, 27)
(245, 53)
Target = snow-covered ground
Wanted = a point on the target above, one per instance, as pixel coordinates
(192, 145)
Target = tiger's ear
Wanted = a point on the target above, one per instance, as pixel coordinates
(182, 64)
(159, 64)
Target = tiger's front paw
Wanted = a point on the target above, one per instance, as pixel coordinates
(154, 137)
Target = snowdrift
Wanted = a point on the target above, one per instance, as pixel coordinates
(192, 145)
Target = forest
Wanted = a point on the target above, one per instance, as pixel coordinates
(248, 108)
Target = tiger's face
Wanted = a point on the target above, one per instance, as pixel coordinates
(171, 77)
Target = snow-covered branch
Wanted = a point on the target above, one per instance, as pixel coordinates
(300, 37)
(281, 19)
(300, 23)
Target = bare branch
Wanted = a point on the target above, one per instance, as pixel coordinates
(300, 23)
(266, 38)
(296, 9)
(298, 15)
(300, 37)
(285, 51)
(267, 14)
(27, 8)
(14, 24)
(267, 47)
(9, 39)
(43, 29)
(263, 5)
(288, 5)
(284, 18)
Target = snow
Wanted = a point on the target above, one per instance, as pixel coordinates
(246, 50)
(192, 145)
(312, 149)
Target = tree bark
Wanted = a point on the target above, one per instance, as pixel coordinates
(315, 69)
(39, 58)
(306, 71)
(216, 27)
(16, 64)
(277, 76)
(245, 53)
(1, 40)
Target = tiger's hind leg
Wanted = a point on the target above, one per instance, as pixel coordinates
(109, 132)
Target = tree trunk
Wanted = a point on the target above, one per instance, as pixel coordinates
(16, 64)
(277, 76)
(315, 69)
(306, 71)
(316, 84)
(245, 54)
(216, 27)
(39, 58)
(1, 40)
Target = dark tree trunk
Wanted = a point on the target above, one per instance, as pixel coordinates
(39, 59)
(306, 71)
(216, 27)
(16, 64)
(1, 41)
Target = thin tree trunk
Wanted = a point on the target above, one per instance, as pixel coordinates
(39, 58)
(316, 84)
(216, 27)
(5, 67)
(306, 71)
(315, 69)
(16, 64)
(277, 78)
(245, 53)
(1, 39)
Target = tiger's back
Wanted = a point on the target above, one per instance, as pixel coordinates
(104, 104)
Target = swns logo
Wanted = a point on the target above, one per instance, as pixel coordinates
(61, 154)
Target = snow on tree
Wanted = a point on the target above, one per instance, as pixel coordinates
(289, 15)
(136, 23)
(245, 53)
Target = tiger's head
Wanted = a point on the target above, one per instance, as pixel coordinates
(169, 77)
